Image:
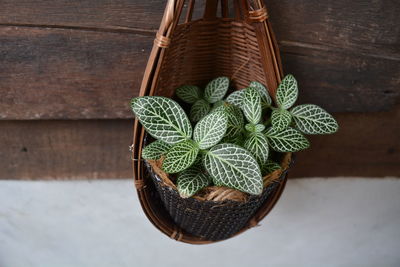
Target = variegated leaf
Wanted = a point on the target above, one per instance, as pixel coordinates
(259, 128)
(288, 140)
(235, 119)
(210, 129)
(237, 140)
(254, 128)
(287, 92)
(199, 109)
(192, 180)
(189, 93)
(232, 166)
(236, 98)
(250, 127)
(180, 156)
(155, 150)
(162, 118)
(280, 119)
(269, 167)
(312, 119)
(198, 161)
(217, 105)
(216, 89)
(257, 145)
(252, 105)
(266, 100)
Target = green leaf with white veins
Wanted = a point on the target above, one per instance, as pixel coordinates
(216, 89)
(190, 181)
(288, 140)
(266, 100)
(210, 129)
(287, 92)
(217, 104)
(162, 118)
(254, 128)
(235, 119)
(280, 119)
(312, 119)
(257, 145)
(232, 166)
(180, 156)
(189, 93)
(199, 109)
(236, 98)
(155, 150)
(252, 105)
(269, 167)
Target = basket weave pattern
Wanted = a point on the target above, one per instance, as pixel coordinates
(209, 220)
(203, 50)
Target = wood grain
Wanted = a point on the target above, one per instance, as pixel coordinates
(85, 59)
(142, 15)
(367, 145)
(86, 149)
(358, 26)
(76, 74)
(101, 15)
(68, 61)
(69, 74)
(343, 81)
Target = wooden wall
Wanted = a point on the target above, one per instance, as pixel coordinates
(69, 68)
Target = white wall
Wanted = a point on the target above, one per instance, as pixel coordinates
(317, 222)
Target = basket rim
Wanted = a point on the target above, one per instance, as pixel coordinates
(226, 201)
(169, 228)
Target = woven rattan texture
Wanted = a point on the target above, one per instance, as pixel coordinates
(203, 50)
(209, 220)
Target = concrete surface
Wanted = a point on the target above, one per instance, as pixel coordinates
(317, 222)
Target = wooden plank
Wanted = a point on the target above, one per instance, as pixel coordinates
(143, 15)
(359, 26)
(69, 74)
(76, 74)
(122, 15)
(70, 54)
(366, 145)
(343, 81)
(86, 149)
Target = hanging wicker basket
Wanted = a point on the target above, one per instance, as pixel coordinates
(240, 46)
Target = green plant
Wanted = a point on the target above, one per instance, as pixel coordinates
(230, 143)
(282, 130)
(202, 101)
(181, 146)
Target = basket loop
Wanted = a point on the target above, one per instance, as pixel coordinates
(139, 184)
(169, 13)
(177, 234)
(259, 15)
(162, 41)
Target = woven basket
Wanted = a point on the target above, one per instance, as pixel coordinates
(242, 47)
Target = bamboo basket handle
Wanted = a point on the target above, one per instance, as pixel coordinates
(189, 12)
(170, 18)
(257, 14)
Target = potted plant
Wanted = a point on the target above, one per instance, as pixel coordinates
(227, 147)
